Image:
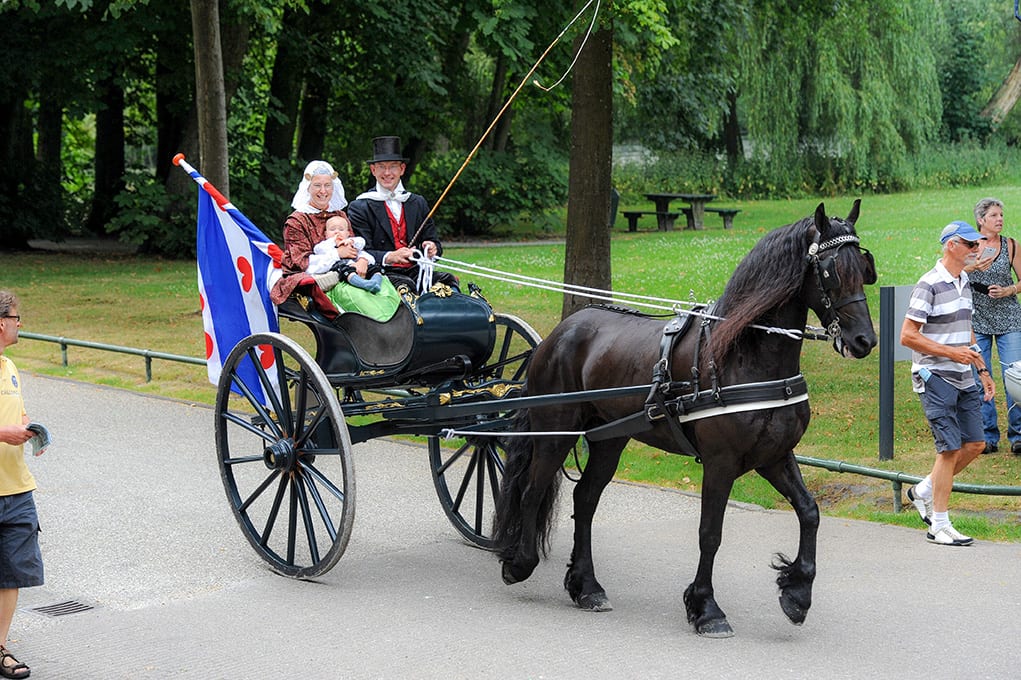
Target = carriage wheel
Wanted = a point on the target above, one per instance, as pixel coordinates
(468, 477)
(287, 465)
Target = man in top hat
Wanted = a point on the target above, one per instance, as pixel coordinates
(944, 360)
(393, 220)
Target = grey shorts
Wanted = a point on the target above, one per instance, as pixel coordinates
(955, 416)
(21, 562)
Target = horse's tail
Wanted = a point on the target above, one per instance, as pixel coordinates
(517, 472)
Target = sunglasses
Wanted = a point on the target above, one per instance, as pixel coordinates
(971, 245)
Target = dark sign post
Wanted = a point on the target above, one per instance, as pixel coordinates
(893, 304)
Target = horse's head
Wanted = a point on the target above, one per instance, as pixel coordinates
(838, 270)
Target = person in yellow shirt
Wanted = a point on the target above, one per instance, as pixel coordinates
(21, 563)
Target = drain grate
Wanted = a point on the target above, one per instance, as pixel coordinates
(63, 608)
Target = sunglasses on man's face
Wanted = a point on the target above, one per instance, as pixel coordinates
(970, 245)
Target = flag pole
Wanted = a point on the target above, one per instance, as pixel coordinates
(220, 199)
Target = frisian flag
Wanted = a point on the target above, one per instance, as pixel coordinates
(237, 267)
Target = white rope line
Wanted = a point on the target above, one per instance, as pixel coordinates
(726, 409)
(595, 15)
(594, 293)
(425, 270)
(471, 268)
(600, 294)
(450, 433)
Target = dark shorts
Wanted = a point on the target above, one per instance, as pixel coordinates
(21, 562)
(955, 416)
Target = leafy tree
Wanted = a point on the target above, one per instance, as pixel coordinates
(848, 87)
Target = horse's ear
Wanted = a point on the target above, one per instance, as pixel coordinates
(821, 221)
(852, 216)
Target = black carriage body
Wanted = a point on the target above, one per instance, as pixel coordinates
(430, 338)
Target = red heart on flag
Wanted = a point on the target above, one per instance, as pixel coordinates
(209, 346)
(247, 274)
(266, 356)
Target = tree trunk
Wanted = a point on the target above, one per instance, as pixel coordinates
(284, 94)
(732, 132)
(312, 126)
(13, 233)
(587, 255)
(496, 99)
(109, 158)
(210, 96)
(1006, 97)
(174, 104)
(51, 118)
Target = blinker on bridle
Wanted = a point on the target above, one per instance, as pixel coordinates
(828, 279)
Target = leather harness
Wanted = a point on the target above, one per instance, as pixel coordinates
(680, 401)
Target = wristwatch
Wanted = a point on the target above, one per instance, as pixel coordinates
(983, 370)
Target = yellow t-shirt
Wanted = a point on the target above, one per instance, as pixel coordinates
(14, 474)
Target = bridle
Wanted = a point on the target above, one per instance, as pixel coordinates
(828, 280)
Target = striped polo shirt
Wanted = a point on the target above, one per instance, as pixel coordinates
(942, 304)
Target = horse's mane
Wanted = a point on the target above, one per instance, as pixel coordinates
(768, 277)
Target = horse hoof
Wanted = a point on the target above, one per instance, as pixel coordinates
(507, 572)
(594, 602)
(795, 612)
(718, 628)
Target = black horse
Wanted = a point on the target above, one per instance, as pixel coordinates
(742, 406)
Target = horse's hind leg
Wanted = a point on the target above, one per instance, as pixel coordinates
(795, 577)
(699, 597)
(540, 487)
(580, 580)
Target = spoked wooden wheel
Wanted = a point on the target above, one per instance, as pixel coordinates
(285, 455)
(468, 471)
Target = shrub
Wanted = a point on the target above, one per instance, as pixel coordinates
(147, 219)
(494, 189)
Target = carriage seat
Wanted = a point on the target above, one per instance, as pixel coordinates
(430, 333)
(381, 343)
(351, 342)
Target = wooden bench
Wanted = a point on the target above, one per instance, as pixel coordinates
(726, 213)
(664, 221)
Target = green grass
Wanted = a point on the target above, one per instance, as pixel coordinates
(153, 304)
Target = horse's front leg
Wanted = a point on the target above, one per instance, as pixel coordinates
(699, 599)
(795, 577)
(580, 580)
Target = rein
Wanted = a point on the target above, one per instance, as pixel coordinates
(649, 302)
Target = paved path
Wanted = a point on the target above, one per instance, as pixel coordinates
(135, 524)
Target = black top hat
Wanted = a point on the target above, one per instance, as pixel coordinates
(386, 149)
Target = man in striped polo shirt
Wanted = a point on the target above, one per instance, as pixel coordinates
(937, 328)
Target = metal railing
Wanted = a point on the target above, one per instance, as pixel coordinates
(148, 354)
(898, 479)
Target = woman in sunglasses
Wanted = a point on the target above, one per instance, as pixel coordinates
(997, 314)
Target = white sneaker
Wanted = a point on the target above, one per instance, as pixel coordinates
(948, 535)
(923, 505)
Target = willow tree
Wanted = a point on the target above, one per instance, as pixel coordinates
(843, 90)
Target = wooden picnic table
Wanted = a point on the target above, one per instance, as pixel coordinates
(696, 201)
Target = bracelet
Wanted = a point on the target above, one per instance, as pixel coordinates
(983, 370)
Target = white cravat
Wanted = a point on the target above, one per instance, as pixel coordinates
(394, 199)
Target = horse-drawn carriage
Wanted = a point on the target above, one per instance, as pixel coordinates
(720, 382)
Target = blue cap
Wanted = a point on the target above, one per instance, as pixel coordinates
(961, 230)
